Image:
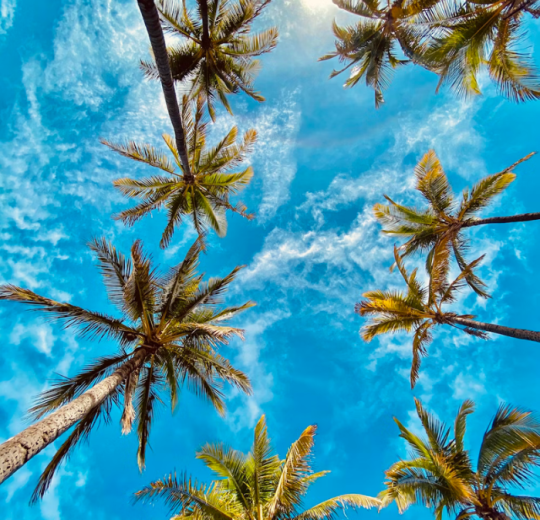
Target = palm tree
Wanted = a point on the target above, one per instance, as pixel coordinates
(369, 46)
(169, 333)
(157, 40)
(216, 52)
(420, 309)
(441, 476)
(205, 194)
(256, 486)
(442, 222)
(483, 34)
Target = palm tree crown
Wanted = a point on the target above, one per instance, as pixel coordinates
(419, 309)
(216, 53)
(469, 36)
(256, 486)
(440, 225)
(369, 46)
(441, 475)
(205, 193)
(170, 322)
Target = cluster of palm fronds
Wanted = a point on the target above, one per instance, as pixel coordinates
(454, 39)
(171, 326)
(212, 55)
(437, 232)
(440, 475)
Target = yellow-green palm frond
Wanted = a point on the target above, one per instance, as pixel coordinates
(290, 485)
(432, 183)
(251, 46)
(90, 324)
(205, 197)
(143, 153)
(437, 432)
(402, 220)
(438, 475)
(263, 466)
(421, 339)
(220, 62)
(511, 431)
(328, 509)
(230, 466)
(483, 192)
(189, 497)
(513, 72)
(458, 55)
(519, 507)
(367, 9)
(460, 423)
(467, 268)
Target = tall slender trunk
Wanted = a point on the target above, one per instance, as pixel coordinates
(203, 4)
(157, 40)
(524, 217)
(531, 335)
(17, 451)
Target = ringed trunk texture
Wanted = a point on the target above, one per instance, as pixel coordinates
(17, 451)
(530, 335)
(157, 40)
(524, 217)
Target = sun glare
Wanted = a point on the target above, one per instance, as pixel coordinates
(317, 5)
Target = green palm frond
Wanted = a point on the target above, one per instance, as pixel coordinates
(221, 63)
(115, 269)
(328, 509)
(174, 327)
(229, 465)
(290, 486)
(143, 153)
(441, 476)
(187, 496)
(205, 195)
(147, 398)
(438, 228)
(93, 325)
(256, 486)
(460, 424)
(65, 389)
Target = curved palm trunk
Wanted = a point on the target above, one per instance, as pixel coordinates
(524, 217)
(157, 40)
(530, 335)
(17, 451)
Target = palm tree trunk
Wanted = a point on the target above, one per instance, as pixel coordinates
(203, 4)
(157, 40)
(524, 217)
(17, 451)
(531, 335)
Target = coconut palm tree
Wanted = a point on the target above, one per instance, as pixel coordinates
(205, 194)
(484, 34)
(169, 333)
(216, 50)
(369, 46)
(441, 224)
(440, 473)
(258, 485)
(421, 309)
(150, 17)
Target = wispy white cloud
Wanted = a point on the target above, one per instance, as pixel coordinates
(7, 14)
(277, 127)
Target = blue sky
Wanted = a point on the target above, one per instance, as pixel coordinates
(325, 156)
